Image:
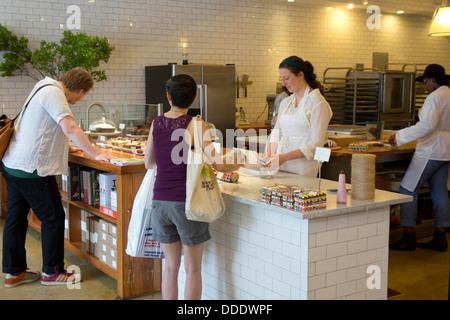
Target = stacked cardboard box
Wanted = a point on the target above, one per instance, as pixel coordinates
(100, 237)
(85, 227)
(107, 243)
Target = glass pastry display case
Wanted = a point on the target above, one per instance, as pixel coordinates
(120, 126)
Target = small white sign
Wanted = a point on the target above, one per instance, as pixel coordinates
(322, 154)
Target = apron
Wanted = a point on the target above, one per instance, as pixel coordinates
(416, 167)
(295, 131)
(418, 163)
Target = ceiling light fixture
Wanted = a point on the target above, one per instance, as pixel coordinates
(440, 24)
(400, 12)
(350, 6)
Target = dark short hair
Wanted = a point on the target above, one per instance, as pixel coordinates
(77, 79)
(183, 90)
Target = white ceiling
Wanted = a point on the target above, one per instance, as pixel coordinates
(411, 7)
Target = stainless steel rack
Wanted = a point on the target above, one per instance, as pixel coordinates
(353, 94)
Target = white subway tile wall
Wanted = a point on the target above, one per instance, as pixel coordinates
(261, 254)
(254, 35)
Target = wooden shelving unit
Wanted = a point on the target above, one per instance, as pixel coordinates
(135, 276)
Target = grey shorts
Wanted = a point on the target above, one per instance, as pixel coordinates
(170, 224)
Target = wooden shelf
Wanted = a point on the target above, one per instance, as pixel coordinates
(84, 206)
(79, 248)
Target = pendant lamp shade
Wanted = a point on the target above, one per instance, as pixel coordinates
(440, 25)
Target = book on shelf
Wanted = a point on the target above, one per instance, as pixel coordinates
(73, 192)
(95, 188)
(82, 185)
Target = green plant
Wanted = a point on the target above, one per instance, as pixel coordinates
(52, 59)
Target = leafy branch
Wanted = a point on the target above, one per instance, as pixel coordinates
(52, 59)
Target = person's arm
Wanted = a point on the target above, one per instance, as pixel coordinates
(277, 160)
(218, 161)
(429, 117)
(74, 133)
(274, 137)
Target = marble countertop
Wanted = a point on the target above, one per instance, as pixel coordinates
(248, 190)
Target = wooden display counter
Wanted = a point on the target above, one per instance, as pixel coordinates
(135, 276)
(381, 152)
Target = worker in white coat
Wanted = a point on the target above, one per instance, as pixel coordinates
(431, 161)
(302, 121)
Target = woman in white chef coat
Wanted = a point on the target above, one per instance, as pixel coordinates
(430, 162)
(302, 120)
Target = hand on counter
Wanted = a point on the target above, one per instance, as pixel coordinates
(103, 157)
(393, 140)
(272, 162)
(73, 149)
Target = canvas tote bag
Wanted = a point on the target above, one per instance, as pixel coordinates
(204, 201)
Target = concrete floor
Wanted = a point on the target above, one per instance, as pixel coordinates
(95, 284)
(417, 275)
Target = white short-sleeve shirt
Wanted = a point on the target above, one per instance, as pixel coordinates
(38, 142)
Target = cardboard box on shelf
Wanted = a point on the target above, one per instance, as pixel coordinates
(105, 237)
(104, 258)
(108, 194)
(112, 262)
(104, 247)
(104, 225)
(113, 230)
(85, 226)
(93, 234)
(113, 242)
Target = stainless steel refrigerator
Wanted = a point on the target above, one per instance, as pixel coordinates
(216, 100)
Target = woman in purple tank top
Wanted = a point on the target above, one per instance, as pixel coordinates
(168, 151)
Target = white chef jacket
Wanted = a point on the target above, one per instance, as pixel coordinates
(303, 126)
(38, 142)
(432, 133)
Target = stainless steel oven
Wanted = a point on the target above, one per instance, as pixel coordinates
(358, 96)
(396, 92)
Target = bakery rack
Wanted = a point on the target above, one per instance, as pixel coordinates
(353, 94)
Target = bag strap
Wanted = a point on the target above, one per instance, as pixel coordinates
(26, 105)
(196, 133)
(195, 142)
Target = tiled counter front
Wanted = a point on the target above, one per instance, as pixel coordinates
(259, 251)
